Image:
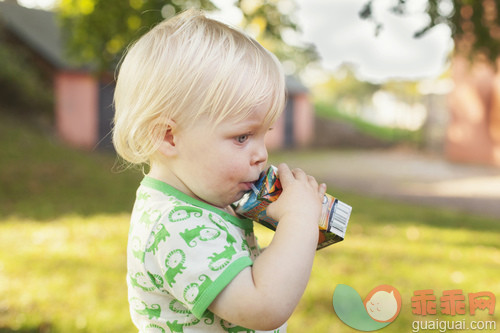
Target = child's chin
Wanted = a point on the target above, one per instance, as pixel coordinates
(229, 200)
(239, 196)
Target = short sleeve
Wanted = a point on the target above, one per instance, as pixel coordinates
(198, 255)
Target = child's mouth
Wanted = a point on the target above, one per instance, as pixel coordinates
(249, 186)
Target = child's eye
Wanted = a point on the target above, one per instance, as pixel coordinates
(242, 138)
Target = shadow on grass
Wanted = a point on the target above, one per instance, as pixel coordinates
(42, 179)
(42, 328)
(82, 184)
(391, 212)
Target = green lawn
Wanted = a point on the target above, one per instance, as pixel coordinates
(64, 224)
(390, 135)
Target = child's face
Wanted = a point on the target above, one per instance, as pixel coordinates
(219, 165)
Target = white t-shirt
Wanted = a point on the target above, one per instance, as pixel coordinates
(181, 253)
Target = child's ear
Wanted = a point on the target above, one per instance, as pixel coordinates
(168, 144)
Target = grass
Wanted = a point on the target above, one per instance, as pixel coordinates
(42, 179)
(64, 223)
(386, 134)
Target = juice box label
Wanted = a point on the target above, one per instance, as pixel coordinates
(334, 216)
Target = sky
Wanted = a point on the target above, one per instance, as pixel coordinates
(341, 37)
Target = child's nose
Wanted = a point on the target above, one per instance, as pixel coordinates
(260, 155)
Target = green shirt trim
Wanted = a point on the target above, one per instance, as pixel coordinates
(163, 187)
(220, 283)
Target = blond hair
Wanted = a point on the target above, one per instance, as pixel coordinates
(186, 67)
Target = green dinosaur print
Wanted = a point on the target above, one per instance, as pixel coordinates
(176, 327)
(245, 246)
(175, 265)
(208, 317)
(141, 281)
(140, 307)
(181, 213)
(194, 290)
(177, 307)
(233, 328)
(140, 201)
(220, 260)
(201, 232)
(141, 198)
(152, 328)
(220, 224)
(159, 234)
(149, 217)
(248, 232)
(136, 248)
(156, 280)
(174, 201)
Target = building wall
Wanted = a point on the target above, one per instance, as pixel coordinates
(472, 134)
(303, 120)
(76, 108)
(80, 121)
(276, 138)
(302, 127)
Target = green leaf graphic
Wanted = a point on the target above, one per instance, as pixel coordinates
(349, 307)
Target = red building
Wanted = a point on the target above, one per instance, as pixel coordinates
(84, 103)
(473, 135)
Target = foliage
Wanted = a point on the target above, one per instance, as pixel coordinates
(475, 24)
(98, 31)
(383, 133)
(343, 96)
(269, 21)
(345, 85)
(22, 84)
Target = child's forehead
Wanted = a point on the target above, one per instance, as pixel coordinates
(257, 116)
(253, 119)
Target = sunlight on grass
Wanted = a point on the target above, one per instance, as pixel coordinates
(411, 248)
(64, 218)
(407, 254)
(67, 275)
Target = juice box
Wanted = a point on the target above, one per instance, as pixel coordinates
(334, 216)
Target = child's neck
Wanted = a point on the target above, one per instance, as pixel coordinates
(164, 174)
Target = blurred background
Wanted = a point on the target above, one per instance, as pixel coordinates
(394, 104)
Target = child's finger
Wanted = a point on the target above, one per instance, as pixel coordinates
(322, 190)
(299, 174)
(312, 181)
(285, 174)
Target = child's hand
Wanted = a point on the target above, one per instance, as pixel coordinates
(301, 196)
(264, 295)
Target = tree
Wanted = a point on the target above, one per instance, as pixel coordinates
(98, 31)
(269, 21)
(474, 24)
(473, 134)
